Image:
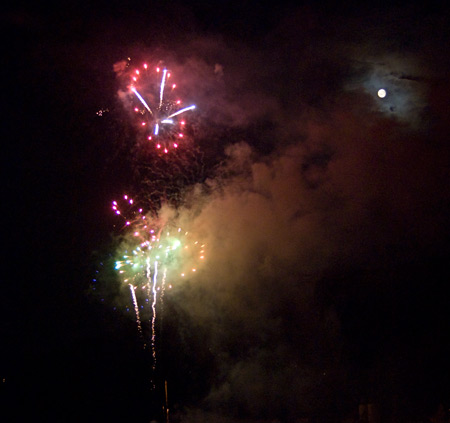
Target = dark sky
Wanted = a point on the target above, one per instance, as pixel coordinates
(324, 209)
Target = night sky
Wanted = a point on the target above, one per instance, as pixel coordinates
(324, 209)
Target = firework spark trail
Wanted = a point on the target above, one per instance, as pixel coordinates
(181, 111)
(136, 309)
(141, 99)
(161, 91)
(155, 276)
(163, 285)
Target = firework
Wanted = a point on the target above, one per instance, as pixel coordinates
(153, 255)
(159, 111)
(147, 241)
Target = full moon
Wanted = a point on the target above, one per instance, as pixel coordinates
(381, 93)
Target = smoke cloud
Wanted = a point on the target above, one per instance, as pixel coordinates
(324, 190)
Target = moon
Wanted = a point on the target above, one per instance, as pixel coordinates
(381, 93)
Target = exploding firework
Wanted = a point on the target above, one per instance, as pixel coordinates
(149, 240)
(160, 113)
(153, 256)
(164, 160)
